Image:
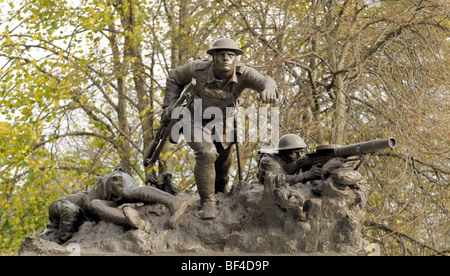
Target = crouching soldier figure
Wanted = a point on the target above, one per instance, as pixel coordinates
(290, 148)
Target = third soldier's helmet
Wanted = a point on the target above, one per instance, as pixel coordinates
(291, 142)
(225, 44)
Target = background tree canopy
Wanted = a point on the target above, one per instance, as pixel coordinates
(82, 82)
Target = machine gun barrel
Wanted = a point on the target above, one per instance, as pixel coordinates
(326, 152)
(365, 147)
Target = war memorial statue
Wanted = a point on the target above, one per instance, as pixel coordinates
(218, 83)
(290, 148)
(102, 202)
(304, 202)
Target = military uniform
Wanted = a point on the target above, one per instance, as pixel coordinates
(101, 202)
(65, 215)
(271, 162)
(213, 157)
(274, 162)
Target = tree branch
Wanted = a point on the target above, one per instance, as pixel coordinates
(387, 229)
(77, 133)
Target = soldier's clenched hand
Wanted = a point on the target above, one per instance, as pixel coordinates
(268, 96)
(166, 116)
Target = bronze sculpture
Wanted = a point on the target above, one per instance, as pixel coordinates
(291, 160)
(102, 202)
(218, 83)
(290, 148)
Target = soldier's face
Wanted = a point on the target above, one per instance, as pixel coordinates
(224, 63)
(291, 156)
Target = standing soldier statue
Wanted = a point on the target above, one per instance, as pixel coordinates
(218, 83)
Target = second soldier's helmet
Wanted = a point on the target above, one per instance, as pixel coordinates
(291, 142)
(225, 44)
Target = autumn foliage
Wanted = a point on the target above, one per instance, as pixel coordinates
(82, 84)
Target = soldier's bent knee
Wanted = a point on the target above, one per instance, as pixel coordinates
(95, 205)
(206, 156)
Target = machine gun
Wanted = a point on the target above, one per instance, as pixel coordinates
(324, 153)
(151, 153)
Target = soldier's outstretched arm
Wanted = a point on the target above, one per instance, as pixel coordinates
(266, 86)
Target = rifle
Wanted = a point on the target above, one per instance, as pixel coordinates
(151, 153)
(324, 153)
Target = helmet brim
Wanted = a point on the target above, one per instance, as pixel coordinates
(214, 49)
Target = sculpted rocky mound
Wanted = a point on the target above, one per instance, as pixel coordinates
(319, 217)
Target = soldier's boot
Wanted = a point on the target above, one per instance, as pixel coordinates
(146, 194)
(128, 217)
(135, 219)
(208, 209)
(205, 177)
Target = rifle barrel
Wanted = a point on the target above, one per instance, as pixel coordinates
(151, 153)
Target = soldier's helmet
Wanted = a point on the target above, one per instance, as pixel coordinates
(291, 142)
(225, 44)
